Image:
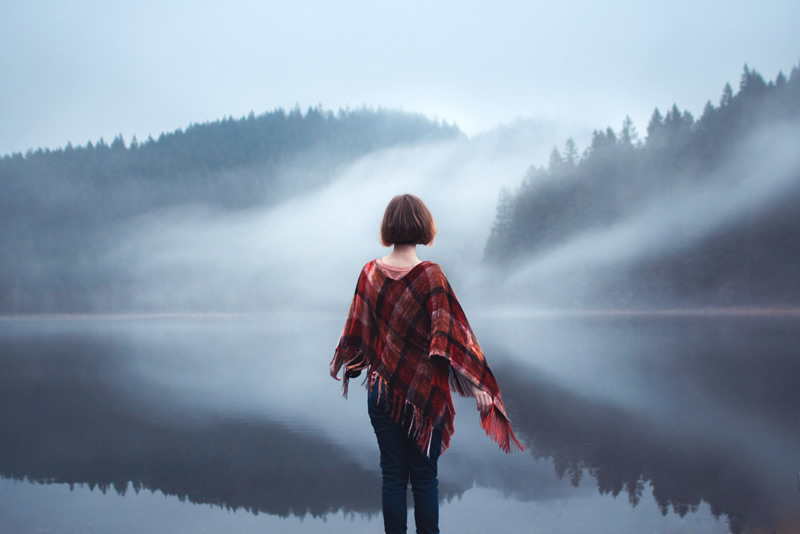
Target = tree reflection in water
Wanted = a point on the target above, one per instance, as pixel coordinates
(734, 444)
(64, 422)
(724, 430)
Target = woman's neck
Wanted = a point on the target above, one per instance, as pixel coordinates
(403, 255)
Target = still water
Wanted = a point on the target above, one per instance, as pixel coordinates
(232, 424)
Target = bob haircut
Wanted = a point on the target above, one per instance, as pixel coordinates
(406, 221)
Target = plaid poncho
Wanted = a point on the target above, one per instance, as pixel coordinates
(394, 330)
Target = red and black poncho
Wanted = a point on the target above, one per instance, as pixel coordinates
(413, 339)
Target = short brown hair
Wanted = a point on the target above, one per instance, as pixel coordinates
(407, 220)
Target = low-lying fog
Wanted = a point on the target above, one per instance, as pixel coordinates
(305, 253)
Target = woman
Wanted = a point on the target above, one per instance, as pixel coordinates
(408, 331)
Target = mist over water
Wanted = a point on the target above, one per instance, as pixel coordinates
(305, 253)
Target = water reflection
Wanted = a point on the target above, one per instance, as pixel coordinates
(719, 425)
(64, 420)
(242, 415)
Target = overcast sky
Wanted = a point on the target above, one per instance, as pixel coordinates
(81, 70)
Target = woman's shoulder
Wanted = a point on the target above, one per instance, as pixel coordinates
(430, 267)
(434, 273)
(433, 266)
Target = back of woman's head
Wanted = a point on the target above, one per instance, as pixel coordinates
(407, 220)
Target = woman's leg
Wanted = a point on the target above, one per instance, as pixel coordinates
(425, 485)
(394, 467)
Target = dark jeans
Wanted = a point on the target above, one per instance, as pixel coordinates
(401, 460)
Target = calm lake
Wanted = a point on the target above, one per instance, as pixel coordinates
(232, 424)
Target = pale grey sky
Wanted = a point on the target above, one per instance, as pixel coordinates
(78, 71)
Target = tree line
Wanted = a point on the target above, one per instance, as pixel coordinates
(754, 260)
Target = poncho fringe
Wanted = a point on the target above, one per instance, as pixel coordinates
(413, 340)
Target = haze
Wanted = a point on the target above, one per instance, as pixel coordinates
(84, 70)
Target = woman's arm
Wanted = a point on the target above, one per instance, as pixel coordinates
(482, 399)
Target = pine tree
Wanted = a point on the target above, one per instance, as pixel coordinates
(655, 126)
(555, 161)
(727, 96)
(570, 153)
(118, 143)
(628, 135)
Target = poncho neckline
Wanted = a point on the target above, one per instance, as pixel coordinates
(380, 264)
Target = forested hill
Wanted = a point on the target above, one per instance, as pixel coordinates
(60, 209)
(194, 163)
(699, 211)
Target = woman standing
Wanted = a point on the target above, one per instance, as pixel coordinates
(408, 331)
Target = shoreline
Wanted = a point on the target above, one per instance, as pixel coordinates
(709, 311)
